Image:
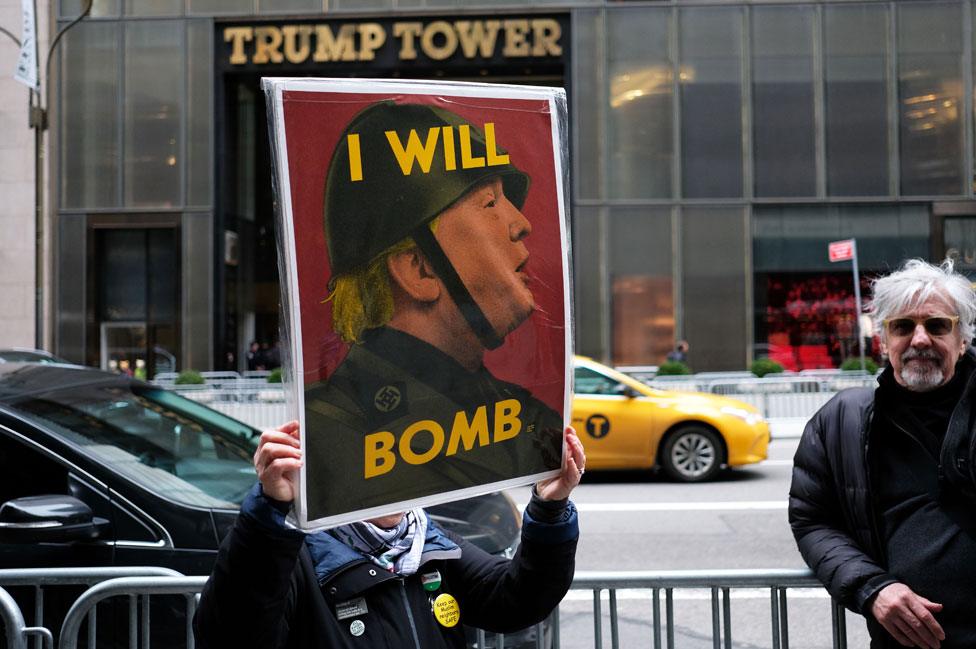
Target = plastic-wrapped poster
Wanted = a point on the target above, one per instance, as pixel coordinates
(425, 288)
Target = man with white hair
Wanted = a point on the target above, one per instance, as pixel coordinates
(883, 499)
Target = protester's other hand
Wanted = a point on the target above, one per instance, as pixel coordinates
(278, 457)
(908, 617)
(574, 462)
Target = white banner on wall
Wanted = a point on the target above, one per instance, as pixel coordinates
(26, 71)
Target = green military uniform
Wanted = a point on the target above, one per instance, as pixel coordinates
(391, 381)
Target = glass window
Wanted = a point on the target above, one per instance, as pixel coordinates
(641, 115)
(100, 8)
(123, 289)
(930, 97)
(153, 7)
(90, 116)
(172, 446)
(855, 70)
(960, 243)
(713, 282)
(809, 320)
(199, 110)
(804, 305)
(218, 7)
(588, 114)
(354, 5)
(153, 113)
(642, 299)
(25, 471)
(796, 237)
(281, 6)
(587, 381)
(782, 96)
(71, 311)
(710, 74)
(588, 282)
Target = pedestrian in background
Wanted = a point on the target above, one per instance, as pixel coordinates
(883, 498)
(680, 352)
(254, 357)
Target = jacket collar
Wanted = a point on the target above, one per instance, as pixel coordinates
(331, 556)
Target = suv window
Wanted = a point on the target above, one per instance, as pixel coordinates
(25, 472)
(166, 443)
(588, 381)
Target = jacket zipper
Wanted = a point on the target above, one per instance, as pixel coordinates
(873, 514)
(406, 608)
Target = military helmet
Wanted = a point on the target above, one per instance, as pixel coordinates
(365, 217)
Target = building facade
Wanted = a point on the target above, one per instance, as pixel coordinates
(17, 188)
(717, 148)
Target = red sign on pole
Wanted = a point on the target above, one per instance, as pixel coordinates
(841, 250)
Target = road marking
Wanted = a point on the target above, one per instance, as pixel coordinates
(580, 595)
(776, 463)
(735, 505)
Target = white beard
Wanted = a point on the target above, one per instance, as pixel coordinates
(921, 378)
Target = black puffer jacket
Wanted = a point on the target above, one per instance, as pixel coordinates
(271, 588)
(832, 512)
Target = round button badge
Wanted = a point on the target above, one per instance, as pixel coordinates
(357, 628)
(446, 610)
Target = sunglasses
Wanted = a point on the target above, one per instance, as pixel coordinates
(940, 325)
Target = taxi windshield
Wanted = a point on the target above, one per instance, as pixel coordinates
(166, 443)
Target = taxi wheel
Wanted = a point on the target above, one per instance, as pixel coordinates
(692, 454)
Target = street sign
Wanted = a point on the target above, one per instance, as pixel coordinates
(846, 250)
(841, 250)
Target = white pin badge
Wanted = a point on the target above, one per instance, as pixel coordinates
(357, 628)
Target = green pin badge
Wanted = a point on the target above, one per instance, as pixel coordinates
(431, 581)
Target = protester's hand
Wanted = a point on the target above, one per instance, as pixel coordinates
(278, 457)
(574, 462)
(908, 617)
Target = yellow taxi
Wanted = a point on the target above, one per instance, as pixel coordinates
(624, 424)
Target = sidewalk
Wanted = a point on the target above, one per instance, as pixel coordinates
(786, 427)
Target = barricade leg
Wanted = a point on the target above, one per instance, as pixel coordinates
(614, 630)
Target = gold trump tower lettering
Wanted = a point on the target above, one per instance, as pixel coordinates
(436, 40)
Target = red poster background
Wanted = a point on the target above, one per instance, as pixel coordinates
(534, 354)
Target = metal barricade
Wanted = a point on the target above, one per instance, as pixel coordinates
(138, 590)
(661, 584)
(252, 400)
(719, 584)
(776, 396)
(15, 630)
(40, 578)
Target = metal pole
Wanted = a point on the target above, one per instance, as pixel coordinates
(37, 119)
(37, 123)
(857, 304)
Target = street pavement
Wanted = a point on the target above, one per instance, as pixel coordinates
(638, 521)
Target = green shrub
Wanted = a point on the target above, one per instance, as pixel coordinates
(852, 363)
(672, 368)
(275, 376)
(189, 377)
(763, 366)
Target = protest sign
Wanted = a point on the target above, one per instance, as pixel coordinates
(425, 278)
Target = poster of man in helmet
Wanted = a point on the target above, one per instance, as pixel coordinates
(424, 255)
